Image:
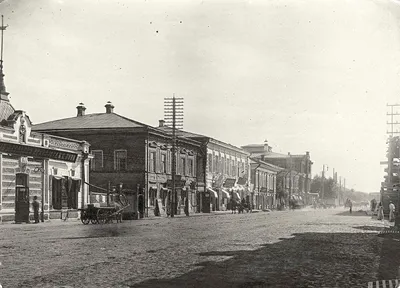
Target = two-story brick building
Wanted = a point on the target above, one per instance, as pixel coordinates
(226, 172)
(264, 182)
(129, 152)
(296, 178)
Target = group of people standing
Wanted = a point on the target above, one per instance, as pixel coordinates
(378, 207)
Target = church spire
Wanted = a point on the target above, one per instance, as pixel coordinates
(3, 91)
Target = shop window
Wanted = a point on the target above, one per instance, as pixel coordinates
(65, 192)
(163, 195)
(152, 162)
(152, 196)
(97, 161)
(120, 160)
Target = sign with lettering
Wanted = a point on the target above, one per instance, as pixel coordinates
(178, 183)
(230, 182)
(26, 150)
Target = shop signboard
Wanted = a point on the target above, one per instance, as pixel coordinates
(27, 150)
(178, 183)
(229, 183)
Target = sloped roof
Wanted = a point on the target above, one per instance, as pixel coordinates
(255, 160)
(269, 155)
(167, 129)
(274, 155)
(190, 135)
(253, 146)
(89, 121)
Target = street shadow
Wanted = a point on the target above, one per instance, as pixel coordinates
(371, 228)
(305, 260)
(354, 213)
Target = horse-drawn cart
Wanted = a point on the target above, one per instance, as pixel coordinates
(105, 214)
(101, 215)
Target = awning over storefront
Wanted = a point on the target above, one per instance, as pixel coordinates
(238, 188)
(225, 194)
(236, 195)
(212, 192)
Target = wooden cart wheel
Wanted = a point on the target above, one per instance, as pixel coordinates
(84, 218)
(101, 216)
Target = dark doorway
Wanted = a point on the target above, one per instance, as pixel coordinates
(206, 202)
(22, 198)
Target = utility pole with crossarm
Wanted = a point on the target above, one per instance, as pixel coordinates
(173, 117)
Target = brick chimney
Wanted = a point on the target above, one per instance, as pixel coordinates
(109, 107)
(161, 123)
(80, 110)
(266, 147)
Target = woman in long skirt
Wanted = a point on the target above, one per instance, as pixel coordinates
(380, 211)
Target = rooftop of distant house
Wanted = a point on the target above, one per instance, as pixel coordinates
(106, 120)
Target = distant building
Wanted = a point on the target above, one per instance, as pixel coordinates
(135, 154)
(264, 181)
(296, 178)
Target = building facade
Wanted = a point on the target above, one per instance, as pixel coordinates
(51, 168)
(294, 181)
(264, 182)
(134, 154)
(225, 174)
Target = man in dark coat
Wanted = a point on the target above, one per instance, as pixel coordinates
(35, 206)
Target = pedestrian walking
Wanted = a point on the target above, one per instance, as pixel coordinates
(351, 206)
(168, 204)
(391, 211)
(35, 206)
(380, 211)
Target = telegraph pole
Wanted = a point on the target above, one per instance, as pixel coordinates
(340, 189)
(2, 86)
(323, 182)
(392, 114)
(173, 117)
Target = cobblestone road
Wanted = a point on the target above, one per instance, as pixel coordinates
(312, 248)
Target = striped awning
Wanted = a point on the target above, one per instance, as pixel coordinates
(212, 192)
(236, 195)
(225, 194)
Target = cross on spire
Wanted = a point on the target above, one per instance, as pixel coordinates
(3, 91)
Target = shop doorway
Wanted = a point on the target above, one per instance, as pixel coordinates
(22, 198)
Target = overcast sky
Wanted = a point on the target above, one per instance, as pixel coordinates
(306, 75)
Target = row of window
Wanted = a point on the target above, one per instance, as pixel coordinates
(183, 166)
(120, 160)
(265, 180)
(225, 165)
